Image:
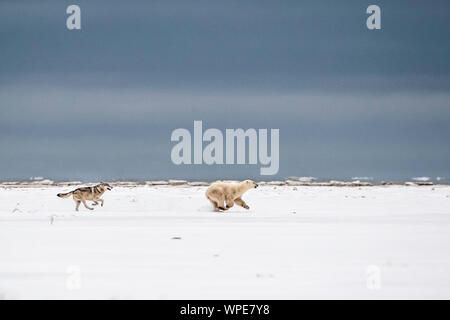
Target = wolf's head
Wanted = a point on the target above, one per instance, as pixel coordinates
(105, 186)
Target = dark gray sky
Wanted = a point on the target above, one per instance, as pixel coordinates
(101, 103)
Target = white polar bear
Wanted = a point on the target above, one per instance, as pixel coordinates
(223, 195)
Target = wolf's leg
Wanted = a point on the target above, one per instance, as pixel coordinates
(85, 204)
(96, 201)
(77, 205)
(241, 203)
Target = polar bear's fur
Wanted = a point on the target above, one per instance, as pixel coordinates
(223, 195)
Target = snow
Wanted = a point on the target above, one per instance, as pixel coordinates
(164, 242)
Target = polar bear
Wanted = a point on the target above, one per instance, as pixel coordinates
(223, 195)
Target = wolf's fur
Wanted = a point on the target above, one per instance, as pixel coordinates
(87, 193)
(221, 193)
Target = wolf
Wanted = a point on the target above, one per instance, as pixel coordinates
(87, 193)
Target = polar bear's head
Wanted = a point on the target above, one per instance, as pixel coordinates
(250, 184)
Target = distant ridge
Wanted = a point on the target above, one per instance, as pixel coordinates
(292, 181)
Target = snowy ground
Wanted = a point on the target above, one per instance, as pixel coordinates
(166, 243)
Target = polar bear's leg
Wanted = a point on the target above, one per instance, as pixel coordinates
(230, 202)
(221, 205)
(220, 199)
(214, 203)
(241, 203)
(217, 200)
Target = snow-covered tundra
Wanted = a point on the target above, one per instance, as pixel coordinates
(165, 242)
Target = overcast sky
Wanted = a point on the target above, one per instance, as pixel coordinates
(100, 103)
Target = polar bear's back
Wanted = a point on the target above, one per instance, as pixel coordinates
(223, 188)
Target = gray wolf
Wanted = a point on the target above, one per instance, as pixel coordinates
(87, 193)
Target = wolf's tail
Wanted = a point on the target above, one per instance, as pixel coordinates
(65, 195)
